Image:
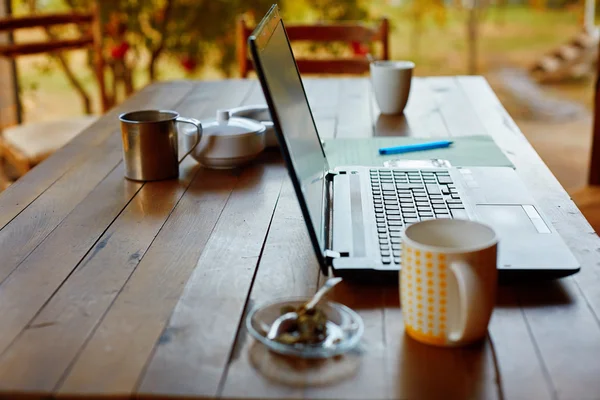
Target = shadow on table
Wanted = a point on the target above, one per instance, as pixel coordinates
(429, 372)
(534, 294)
(392, 125)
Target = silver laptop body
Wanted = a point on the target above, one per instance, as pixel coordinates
(356, 215)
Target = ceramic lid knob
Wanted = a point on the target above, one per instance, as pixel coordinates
(223, 116)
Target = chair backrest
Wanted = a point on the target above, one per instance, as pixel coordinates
(342, 32)
(90, 38)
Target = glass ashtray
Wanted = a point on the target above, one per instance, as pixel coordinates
(344, 329)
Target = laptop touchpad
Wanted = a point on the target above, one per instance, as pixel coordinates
(510, 219)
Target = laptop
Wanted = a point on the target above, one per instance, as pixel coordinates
(356, 215)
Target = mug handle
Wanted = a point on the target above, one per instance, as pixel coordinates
(471, 312)
(198, 126)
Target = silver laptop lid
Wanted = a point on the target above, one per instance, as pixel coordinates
(293, 121)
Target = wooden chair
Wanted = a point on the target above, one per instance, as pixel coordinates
(348, 33)
(23, 146)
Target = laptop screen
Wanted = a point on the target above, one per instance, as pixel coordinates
(292, 116)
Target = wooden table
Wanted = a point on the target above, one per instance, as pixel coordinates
(109, 287)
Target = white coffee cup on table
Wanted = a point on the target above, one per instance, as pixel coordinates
(448, 281)
(391, 84)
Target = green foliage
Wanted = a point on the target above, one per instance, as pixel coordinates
(338, 10)
(195, 32)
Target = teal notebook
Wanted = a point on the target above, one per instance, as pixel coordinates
(465, 151)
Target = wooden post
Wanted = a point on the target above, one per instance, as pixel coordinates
(594, 173)
(241, 47)
(385, 36)
(472, 32)
(590, 11)
(9, 101)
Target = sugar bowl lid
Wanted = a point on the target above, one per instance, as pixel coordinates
(226, 125)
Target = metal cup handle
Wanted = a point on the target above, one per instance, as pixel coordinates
(198, 126)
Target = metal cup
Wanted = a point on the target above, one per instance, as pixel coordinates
(150, 144)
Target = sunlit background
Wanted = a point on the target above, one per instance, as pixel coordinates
(503, 40)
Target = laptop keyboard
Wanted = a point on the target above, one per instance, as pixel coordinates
(403, 197)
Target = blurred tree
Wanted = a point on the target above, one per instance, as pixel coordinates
(63, 61)
(194, 32)
(420, 11)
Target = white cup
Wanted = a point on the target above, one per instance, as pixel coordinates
(391, 84)
(448, 281)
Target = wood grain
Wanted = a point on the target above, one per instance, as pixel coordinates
(449, 100)
(353, 112)
(521, 373)
(87, 144)
(553, 312)
(143, 289)
(288, 268)
(70, 316)
(113, 359)
(205, 322)
(26, 290)
(24, 233)
(125, 252)
(199, 104)
(323, 105)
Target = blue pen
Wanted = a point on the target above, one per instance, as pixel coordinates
(415, 147)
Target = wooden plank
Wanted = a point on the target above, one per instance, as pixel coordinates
(24, 233)
(125, 377)
(401, 373)
(120, 245)
(450, 101)
(465, 122)
(354, 66)
(522, 375)
(36, 21)
(319, 93)
(71, 314)
(255, 95)
(24, 49)
(26, 290)
(323, 106)
(8, 85)
(572, 301)
(284, 271)
(371, 379)
(426, 372)
(117, 351)
(594, 170)
(353, 112)
(23, 192)
(347, 32)
(569, 348)
(192, 363)
(384, 350)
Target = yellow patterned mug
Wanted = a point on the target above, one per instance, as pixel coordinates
(448, 281)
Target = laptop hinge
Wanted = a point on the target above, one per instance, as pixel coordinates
(328, 253)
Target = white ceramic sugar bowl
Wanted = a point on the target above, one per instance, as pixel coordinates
(228, 142)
